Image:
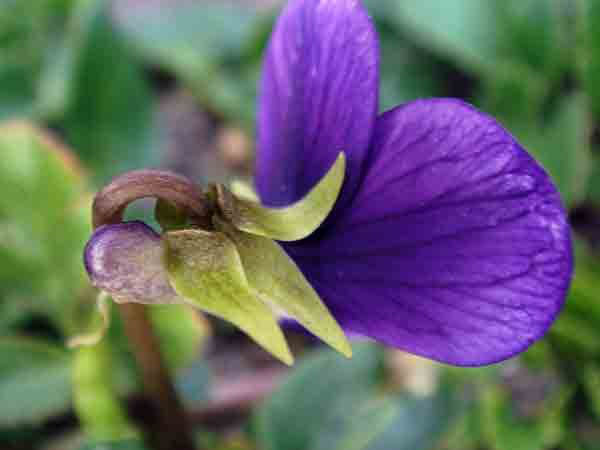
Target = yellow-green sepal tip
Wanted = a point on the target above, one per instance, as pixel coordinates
(278, 282)
(290, 223)
(205, 269)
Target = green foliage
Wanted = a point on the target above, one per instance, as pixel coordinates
(576, 330)
(332, 403)
(59, 65)
(588, 21)
(43, 226)
(505, 430)
(418, 422)
(529, 35)
(96, 400)
(187, 39)
(181, 332)
(129, 444)
(29, 31)
(562, 146)
(113, 127)
(314, 402)
(35, 381)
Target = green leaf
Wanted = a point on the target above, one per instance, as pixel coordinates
(110, 119)
(319, 404)
(526, 33)
(27, 31)
(419, 78)
(128, 444)
(56, 79)
(463, 29)
(505, 429)
(330, 404)
(207, 46)
(418, 423)
(589, 63)
(591, 384)
(562, 146)
(186, 31)
(97, 402)
(181, 332)
(278, 282)
(290, 223)
(35, 381)
(205, 269)
(44, 224)
(17, 92)
(576, 330)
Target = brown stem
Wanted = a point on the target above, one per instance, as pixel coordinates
(172, 430)
(111, 201)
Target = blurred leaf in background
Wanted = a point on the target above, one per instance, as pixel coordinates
(35, 381)
(29, 33)
(44, 221)
(128, 444)
(188, 40)
(332, 403)
(562, 146)
(63, 62)
(110, 117)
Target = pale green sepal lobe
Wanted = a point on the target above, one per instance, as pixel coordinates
(244, 190)
(290, 223)
(205, 269)
(280, 283)
(98, 328)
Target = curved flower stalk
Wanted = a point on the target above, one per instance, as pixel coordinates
(447, 240)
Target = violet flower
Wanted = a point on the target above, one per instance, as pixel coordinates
(447, 240)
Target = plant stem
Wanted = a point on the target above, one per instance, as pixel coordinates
(175, 189)
(172, 430)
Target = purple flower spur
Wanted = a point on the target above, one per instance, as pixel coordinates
(447, 240)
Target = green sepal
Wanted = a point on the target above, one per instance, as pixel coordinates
(280, 283)
(206, 270)
(290, 223)
(243, 189)
(99, 326)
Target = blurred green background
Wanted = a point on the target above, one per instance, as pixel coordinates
(90, 88)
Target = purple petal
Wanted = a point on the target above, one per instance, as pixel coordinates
(126, 260)
(455, 248)
(318, 97)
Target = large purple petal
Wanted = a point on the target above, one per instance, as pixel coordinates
(456, 246)
(318, 97)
